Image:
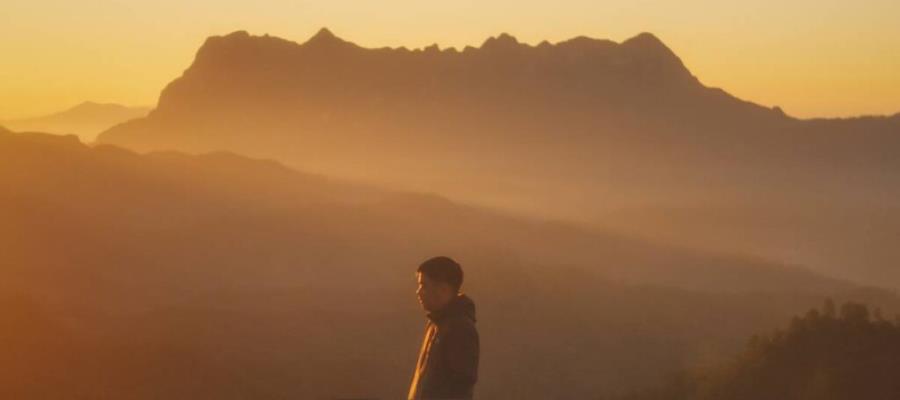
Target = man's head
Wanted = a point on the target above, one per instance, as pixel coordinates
(439, 281)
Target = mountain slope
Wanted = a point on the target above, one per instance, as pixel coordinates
(628, 115)
(324, 104)
(577, 130)
(175, 190)
(165, 275)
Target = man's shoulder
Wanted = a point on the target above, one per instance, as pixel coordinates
(458, 325)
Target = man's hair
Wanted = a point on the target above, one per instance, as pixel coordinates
(443, 269)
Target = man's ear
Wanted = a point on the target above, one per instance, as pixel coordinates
(450, 290)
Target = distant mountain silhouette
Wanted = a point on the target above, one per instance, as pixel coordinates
(166, 275)
(580, 129)
(86, 120)
(577, 113)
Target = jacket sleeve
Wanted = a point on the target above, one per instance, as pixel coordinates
(462, 348)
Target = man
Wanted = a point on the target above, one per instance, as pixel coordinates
(448, 361)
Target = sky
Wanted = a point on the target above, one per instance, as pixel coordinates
(822, 58)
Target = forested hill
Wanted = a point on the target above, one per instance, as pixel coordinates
(829, 354)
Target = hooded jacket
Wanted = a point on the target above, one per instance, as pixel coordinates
(447, 367)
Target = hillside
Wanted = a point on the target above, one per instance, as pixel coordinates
(218, 276)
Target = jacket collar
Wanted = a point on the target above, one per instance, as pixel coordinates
(459, 305)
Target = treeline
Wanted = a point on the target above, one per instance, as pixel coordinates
(850, 352)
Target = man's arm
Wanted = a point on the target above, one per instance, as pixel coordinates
(462, 349)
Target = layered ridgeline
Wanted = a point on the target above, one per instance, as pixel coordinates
(167, 275)
(585, 129)
(86, 120)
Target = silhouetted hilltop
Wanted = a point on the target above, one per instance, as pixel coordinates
(584, 106)
(86, 119)
(579, 105)
(586, 64)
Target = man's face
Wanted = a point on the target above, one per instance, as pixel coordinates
(432, 294)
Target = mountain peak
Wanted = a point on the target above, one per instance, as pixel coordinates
(647, 37)
(325, 38)
(324, 34)
(237, 35)
(648, 42)
(647, 49)
(501, 42)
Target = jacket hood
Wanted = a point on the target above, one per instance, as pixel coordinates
(460, 305)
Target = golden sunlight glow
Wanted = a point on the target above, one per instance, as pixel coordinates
(812, 58)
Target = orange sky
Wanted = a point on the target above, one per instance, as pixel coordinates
(812, 58)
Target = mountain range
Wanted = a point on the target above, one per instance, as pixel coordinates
(587, 130)
(256, 234)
